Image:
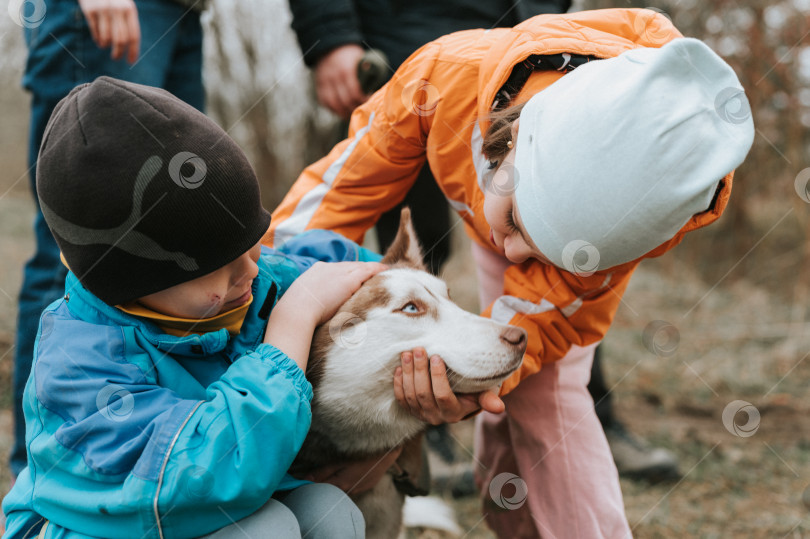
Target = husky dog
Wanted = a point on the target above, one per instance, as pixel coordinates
(351, 366)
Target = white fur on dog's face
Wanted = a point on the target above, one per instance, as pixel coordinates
(354, 356)
(419, 313)
(396, 311)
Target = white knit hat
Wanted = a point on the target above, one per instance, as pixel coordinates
(615, 157)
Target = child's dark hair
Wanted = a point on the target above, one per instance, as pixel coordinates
(499, 132)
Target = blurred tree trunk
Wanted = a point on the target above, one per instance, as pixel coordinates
(260, 91)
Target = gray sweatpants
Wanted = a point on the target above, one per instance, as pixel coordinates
(314, 511)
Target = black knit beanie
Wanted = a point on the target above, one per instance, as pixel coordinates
(142, 191)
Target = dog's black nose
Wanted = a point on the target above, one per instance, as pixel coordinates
(514, 336)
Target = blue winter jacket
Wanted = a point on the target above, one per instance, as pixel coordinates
(135, 433)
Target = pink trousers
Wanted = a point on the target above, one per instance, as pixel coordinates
(544, 466)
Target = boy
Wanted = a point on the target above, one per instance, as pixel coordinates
(167, 396)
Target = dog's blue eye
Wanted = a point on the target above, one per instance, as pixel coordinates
(410, 308)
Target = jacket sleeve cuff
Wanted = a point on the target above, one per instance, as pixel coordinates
(329, 29)
(286, 366)
(326, 44)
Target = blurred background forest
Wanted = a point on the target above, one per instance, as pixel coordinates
(734, 296)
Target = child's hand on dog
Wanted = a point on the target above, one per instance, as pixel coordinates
(310, 301)
(425, 391)
(323, 288)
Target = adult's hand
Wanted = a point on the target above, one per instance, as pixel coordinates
(336, 80)
(114, 23)
(422, 388)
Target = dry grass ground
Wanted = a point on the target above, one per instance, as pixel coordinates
(740, 338)
(735, 343)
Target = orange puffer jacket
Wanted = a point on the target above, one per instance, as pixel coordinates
(435, 108)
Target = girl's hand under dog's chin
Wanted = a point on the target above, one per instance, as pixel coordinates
(488, 400)
(424, 391)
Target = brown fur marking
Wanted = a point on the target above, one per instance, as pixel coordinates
(370, 295)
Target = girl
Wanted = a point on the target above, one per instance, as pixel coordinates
(564, 183)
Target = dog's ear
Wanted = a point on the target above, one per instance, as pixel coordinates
(405, 249)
